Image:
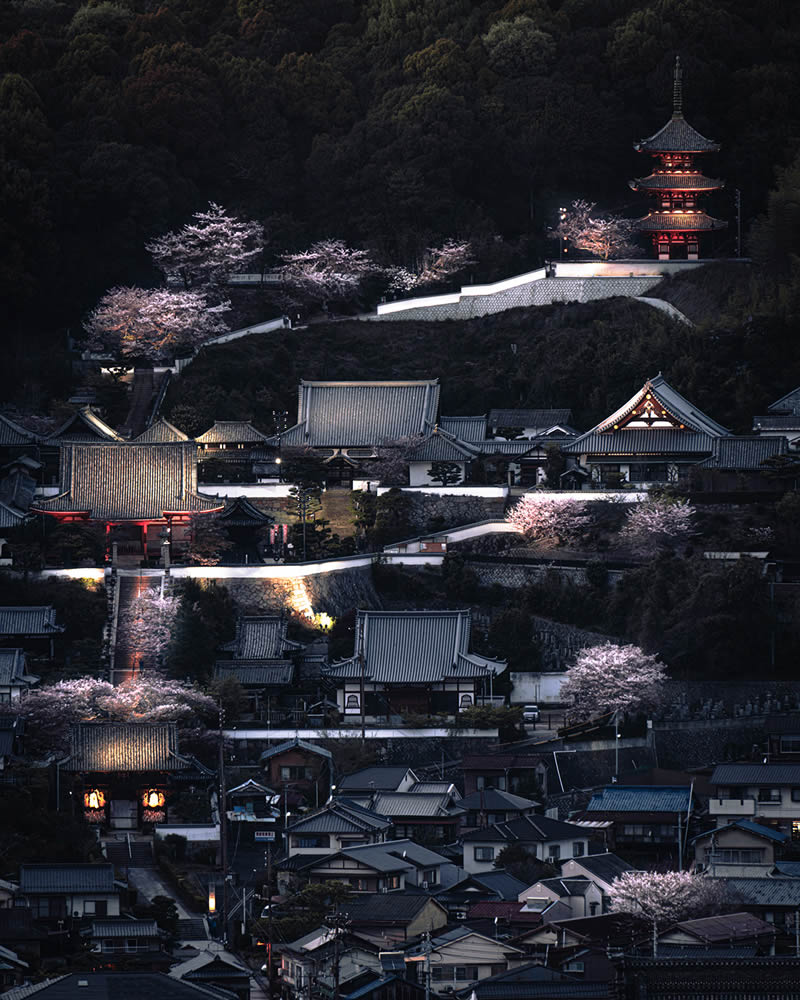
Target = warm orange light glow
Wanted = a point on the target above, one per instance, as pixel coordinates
(153, 799)
(212, 899)
(94, 799)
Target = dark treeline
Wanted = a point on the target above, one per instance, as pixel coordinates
(388, 123)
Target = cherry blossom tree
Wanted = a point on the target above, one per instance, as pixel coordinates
(605, 238)
(662, 898)
(152, 323)
(609, 678)
(545, 519)
(208, 250)
(439, 263)
(658, 523)
(327, 270)
(145, 625)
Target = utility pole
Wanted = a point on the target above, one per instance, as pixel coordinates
(268, 858)
(427, 937)
(362, 668)
(738, 223)
(223, 825)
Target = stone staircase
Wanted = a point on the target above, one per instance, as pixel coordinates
(193, 929)
(140, 854)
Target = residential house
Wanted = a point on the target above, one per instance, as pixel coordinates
(775, 900)
(386, 986)
(337, 825)
(767, 793)
(377, 778)
(307, 964)
(535, 982)
(117, 943)
(124, 773)
(412, 662)
(602, 869)
(725, 930)
(783, 737)
(607, 932)
(114, 986)
(13, 969)
(650, 817)
(782, 419)
(209, 971)
(544, 838)
(14, 677)
(392, 866)
(20, 932)
(490, 806)
(299, 770)
(57, 891)
(396, 917)
(147, 492)
(742, 849)
(253, 812)
(519, 772)
(429, 817)
(654, 438)
(581, 895)
(460, 956)
(738, 463)
(493, 886)
(32, 628)
(504, 919)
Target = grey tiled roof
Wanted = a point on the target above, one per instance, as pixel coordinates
(414, 646)
(10, 517)
(789, 403)
(125, 746)
(685, 222)
(378, 778)
(12, 666)
(762, 891)
(231, 432)
(240, 512)
(670, 400)
(13, 434)
(606, 866)
(390, 907)
(360, 414)
(645, 441)
(33, 621)
(118, 986)
(259, 637)
(539, 419)
(535, 982)
(756, 774)
(575, 886)
(280, 748)
(401, 804)
(470, 429)
(744, 453)
(159, 432)
(506, 885)
(777, 421)
(439, 446)
(677, 136)
(124, 929)
(492, 799)
(528, 829)
(85, 425)
(128, 481)
(726, 927)
(341, 817)
(66, 878)
(640, 798)
(677, 182)
(255, 673)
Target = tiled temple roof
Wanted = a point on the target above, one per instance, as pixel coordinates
(13, 434)
(128, 482)
(231, 432)
(85, 425)
(541, 420)
(440, 446)
(160, 432)
(241, 513)
(259, 637)
(679, 222)
(677, 136)
(360, 414)
(125, 746)
(255, 673)
(641, 441)
(744, 453)
(472, 429)
(32, 621)
(672, 181)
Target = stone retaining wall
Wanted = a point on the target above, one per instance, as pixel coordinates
(434, 513)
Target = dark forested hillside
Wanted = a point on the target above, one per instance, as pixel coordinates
(389, 123)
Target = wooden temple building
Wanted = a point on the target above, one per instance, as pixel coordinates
(676, 184)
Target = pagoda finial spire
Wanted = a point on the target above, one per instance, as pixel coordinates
(677, 90)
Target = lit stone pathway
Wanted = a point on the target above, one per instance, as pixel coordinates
(126, 662)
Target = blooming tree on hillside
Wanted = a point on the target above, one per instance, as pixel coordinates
(609, 678)
(542, 519)
(438, 264)
(605, 238)
(208, 250)
(152, 323)
(327, 270)
(146, 624)
(662, 898)
(658, 523)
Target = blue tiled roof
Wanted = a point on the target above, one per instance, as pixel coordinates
(640, 798)
(747, 824)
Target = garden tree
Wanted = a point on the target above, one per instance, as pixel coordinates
(662, 898)
(364, 505)
(208, 250)
(518, 861)
(78, 544)
(206, 619)
(303, 467)
(309, 908)
(511, 638)
(507, 721)
(543, 519)
(165, 913)
(393, 515)
(445, 473)
(230, 695)
(389, 464)
(555, 464)
(312, 539)
(208, 540)
(145, 625)
(328, 270)
(660, 522)
(605, 238)
(460, 582)
(152, 324)
(609, 678)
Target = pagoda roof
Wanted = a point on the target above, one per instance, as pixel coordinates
(677, 136)
(687, 221)
(128, 482)
(668, 180)
(159, 432)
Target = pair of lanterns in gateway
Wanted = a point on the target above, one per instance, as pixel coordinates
(96, 799)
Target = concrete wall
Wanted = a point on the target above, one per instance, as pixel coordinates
(536, 688)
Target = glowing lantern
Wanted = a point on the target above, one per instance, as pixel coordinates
(94, 799)
(153, 799)
(212, 899)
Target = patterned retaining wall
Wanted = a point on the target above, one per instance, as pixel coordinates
(540, 291)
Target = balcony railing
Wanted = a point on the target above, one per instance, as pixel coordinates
(732, 807)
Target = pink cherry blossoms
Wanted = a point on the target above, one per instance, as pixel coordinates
(542, 519)
(658, 523)
(609, 678)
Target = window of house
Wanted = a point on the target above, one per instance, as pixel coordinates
(576, 966)
(430, 875)
(96, 907)
(310, 841)
(497, 969)
(593, 909)
(108, 944)
(554, 852)
(739, 856)
(769, 795)
(131, 944)
(649, 473)
(297, 773)
(796, 795)
(466, 973)
(790, 744)
(578, 849)
(796, 830)
(393, 882)
(484, 854)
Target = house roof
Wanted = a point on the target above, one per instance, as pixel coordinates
(765, 832)
(84, 425)
(160, 432)
(472, 429)
(566, 886)
(535, 982)
(341, 816)
(744, 453)
(125, 746)
(441, 446)
(671, 180)
(790, 869)
(777, 422)
(527, 829)
(377, 778)
(260, 637)
(538, 419)
(12, 666)
(315, 939)
(125, 482)
(504, 909)
(492, 799)
(390, 908)
(762, 891)
(30, 621)
(291, 745)
(118, 986)
(124, 929)
(418, 804)
(605, 867)
(756, 774)
(213, 969)
(256, 673)
(506, 885)
(790, 403)
(13, 434)
(640, 798)
(231, 432)
(251, 786)
(679, 221)
(725, 927)
(338, 414)
(415, 647)
(66, 878)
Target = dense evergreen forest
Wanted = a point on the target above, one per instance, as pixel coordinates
(388, 123)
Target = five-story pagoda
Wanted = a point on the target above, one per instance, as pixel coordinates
(677, 221)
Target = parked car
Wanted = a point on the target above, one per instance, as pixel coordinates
(530, 713)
